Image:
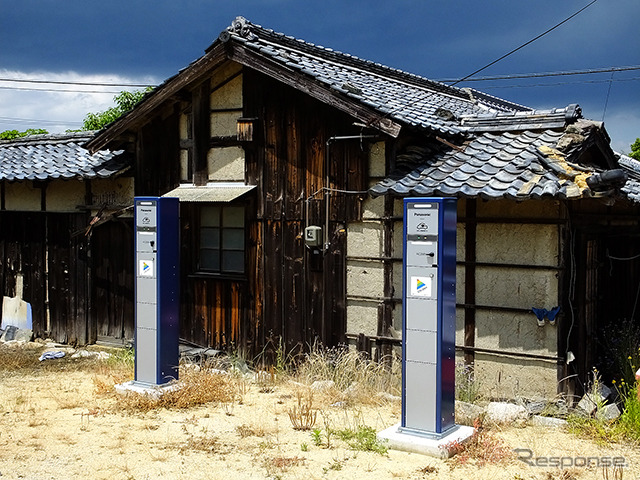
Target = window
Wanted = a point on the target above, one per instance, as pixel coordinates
(221, 239)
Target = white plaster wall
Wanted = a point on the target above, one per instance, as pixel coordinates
(398, 207)
(227, 96)
(226, 164)
(224, 124)
(365, 279)
(21, 196)
(460, 326)
(373, 208)
(377, 160)
(514, 332)
(185, 174)
(508, 377)
(517, 244)
(65, 195)
(460, 283)
(461, 237)
(517, 288)
(184, 126)
(365, 239)
(362, 317)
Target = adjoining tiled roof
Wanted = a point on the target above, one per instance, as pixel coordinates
(401, 96)
(512, 165)
(48, 157)
(632, 168)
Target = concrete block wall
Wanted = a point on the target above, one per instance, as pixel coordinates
(365, 254)
(506, 251)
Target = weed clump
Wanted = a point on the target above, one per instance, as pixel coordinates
(357, 378)
(195, 388)
(483, 448)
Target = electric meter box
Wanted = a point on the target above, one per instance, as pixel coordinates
(157, 291)
(313, 236)
(429, 316)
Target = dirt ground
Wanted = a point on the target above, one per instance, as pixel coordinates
(58, 422)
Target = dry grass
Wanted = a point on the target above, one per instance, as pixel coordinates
(303, 415)
(483, 448)
(358, 379)
(195, 388)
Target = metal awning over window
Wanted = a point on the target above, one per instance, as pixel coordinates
(211, 192)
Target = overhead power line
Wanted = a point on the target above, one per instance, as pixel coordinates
(557, 84)
(36, 121)
(90, 84)
(525, 44)
(590, 71)
(61, 90)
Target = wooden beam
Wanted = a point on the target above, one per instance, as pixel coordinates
(171, 88)
(470, 282)
(201, 133)
(295, 79)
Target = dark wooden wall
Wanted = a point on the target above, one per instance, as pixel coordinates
(22, 252)
(287, 294)
(81, 302)
(112, 279)
(299, 296)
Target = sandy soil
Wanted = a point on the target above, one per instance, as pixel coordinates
(57, 424)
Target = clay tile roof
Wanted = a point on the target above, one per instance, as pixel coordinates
(404, 97)
(518, 166)
(58, 156)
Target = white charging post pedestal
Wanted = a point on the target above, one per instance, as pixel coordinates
(157, 298)
(429, 320)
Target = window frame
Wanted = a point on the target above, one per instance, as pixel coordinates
(219, 246)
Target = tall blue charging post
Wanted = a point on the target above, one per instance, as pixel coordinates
(427, 422)
(157, 292)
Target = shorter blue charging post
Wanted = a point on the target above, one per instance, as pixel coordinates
(429, 316)
(427, 423)
(157, 306)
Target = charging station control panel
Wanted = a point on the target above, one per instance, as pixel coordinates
(429, 277)
(157, 289)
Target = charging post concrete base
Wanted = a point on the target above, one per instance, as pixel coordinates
(428, 332)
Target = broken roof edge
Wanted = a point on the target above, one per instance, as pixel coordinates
(522, 120)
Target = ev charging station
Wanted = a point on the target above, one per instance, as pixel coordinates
(157, 307)
(427, 422)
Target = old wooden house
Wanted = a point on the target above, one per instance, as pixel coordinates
(75, 277)
(266, 135)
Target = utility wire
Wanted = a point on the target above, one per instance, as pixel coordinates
(445, 80)
(544, 74)
(525, 44)
(556, 84)
(32, 120)
(63, 90)
(91, 84)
